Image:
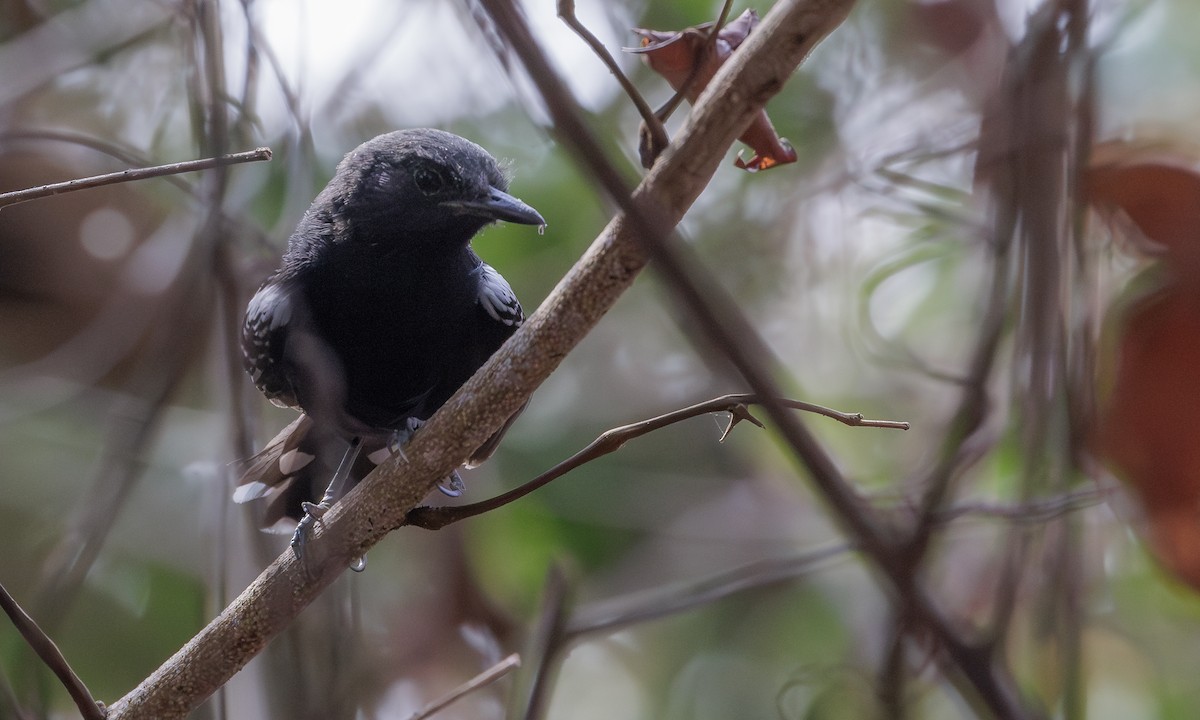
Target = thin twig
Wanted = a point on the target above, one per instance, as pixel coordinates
(483, 679)
(654, 125)
(693, 77)
(548, 639)
(431, 518)
(129, 156)
(1026, 513)
(20, 196)
(52, 656)
(893, 671)
(612, 615)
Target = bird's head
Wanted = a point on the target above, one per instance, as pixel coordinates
(424, 187)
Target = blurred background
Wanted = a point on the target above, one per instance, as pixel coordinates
(866, 265)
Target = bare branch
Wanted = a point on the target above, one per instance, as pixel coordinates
(612, 615)
(546, 642)
(52, 656)
(1026, 513)
(436, 518)
(20, 196)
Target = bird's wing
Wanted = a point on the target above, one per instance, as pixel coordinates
(497, 298)
(289, 360)
(499, 302)
(264, 337)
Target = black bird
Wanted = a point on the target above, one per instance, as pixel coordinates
(379, 311)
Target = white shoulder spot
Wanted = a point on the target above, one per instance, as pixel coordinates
(270, 308)
(497, 297)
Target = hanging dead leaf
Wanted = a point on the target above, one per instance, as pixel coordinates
(1147, 424)
(1147, 429)
(688, 63)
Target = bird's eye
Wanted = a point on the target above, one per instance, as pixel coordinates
(428, 180)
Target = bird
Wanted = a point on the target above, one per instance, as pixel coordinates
(379, 311)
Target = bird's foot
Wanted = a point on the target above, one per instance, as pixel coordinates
(453, 485)
(313, 512)
(401, 437)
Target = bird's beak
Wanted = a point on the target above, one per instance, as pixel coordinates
(498, 205)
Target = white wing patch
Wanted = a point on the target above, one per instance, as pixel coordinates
(269, 310)
(497, 297)
(271, 305)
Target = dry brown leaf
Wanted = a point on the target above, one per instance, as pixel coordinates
(677, 55)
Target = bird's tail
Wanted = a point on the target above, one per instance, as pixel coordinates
(293, 468)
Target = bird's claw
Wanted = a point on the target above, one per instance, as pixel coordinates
(453, 485)
(313, 513)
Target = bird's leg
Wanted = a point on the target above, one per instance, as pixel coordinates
(453, 485)
(313, 512)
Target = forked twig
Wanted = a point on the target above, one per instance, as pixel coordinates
(612, 615)
(20, 196)
(52, 656)
(610, 441)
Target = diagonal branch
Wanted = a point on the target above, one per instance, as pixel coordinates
(380, 503)
(52, 656)
(483, 679)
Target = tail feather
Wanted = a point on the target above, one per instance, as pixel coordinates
(294, 468)
(297, 464)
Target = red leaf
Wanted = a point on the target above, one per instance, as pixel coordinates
(1161, 197)
(1147, 429)
(680, 54)
(1147, 426)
